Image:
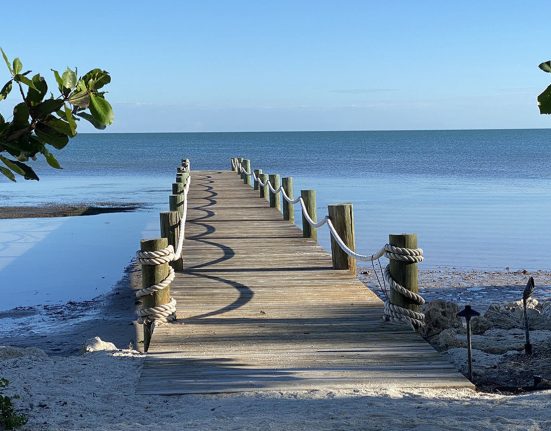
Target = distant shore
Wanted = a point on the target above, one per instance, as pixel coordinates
(66, 210)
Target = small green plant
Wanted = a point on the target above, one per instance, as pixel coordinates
(9, 419)
(43, 120)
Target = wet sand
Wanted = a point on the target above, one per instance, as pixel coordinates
(66, 210)
(63, 329)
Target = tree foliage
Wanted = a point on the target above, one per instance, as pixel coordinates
(544, 99)
(42, 120)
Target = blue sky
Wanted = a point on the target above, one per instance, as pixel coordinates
(297, 65)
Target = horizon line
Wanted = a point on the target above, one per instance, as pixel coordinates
(314, 131)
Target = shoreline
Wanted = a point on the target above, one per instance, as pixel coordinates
(479, 288)
(49, 210)
(67, 326)
(110, 316)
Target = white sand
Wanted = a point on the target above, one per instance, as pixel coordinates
(96, 391)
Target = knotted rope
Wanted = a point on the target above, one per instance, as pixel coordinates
(411, 255)
(397, 312)
(165, 312)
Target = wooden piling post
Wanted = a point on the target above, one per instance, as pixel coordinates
(404, 273)
(232, 163)
(176, 203)
(247, 167)
(309, 198)
(170, 229)
(177, 188)
(182, 177)
(153, 274)
(275, 198)
(342, 217)
(257, 172)
(264, 189)
(240, 161)
(288, 208)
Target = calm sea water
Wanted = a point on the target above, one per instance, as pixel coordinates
(476, 199)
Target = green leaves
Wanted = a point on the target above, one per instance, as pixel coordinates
(20, 115)
(96, 79)
(101, 110)
(544, 99)
(52, 161)
(17, 66)
(7, 173)
(69, 79)
(37, 91)
(88, 117)
(43, 119)
(47, 107)
(545, 66)
(19, 168)
(80, 99)
(51, 136)
(6, 90)
(71, 121)
(7, 61)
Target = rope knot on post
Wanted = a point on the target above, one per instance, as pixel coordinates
(396, 312)
(160, 313)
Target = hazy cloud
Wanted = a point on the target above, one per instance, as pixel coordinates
(363, 90)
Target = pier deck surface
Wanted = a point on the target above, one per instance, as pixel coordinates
(260, 308)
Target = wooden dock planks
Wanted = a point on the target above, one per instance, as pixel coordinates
(260, 308)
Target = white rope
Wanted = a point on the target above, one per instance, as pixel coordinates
(165, 312)
(159, 314)
(288, 199)
(391, 311)
(178, 252)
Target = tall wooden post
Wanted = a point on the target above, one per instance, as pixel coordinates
(233, 160)
(275, 198)
(247, 166)
(264, 189)
(288, 208)
(257, 172)
(153, 274)
(404, 273)
(177, 188)
(170, 229)
(342, 217)
(309, 198)
(240, 161)
(182, 177)
(176, 203)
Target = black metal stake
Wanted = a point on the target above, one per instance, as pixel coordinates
(467, 313)
(528, 290)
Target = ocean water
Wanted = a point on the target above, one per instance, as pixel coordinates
(476, 199)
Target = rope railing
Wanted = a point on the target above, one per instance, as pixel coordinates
(165, 312)
(392, 311)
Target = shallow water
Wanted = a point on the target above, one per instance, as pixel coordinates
(476, 199)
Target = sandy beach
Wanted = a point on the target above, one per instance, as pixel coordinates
(95, 391)
(61, 388)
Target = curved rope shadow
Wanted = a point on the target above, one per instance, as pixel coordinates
(245, 295)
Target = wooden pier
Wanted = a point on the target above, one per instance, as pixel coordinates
(260, 308)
